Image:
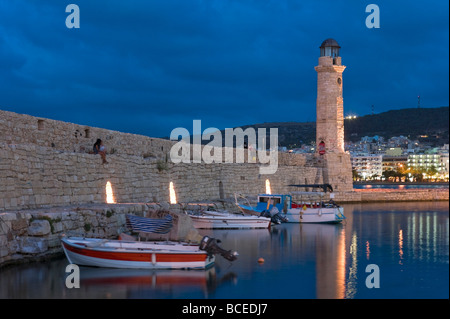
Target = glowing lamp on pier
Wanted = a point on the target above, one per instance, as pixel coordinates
(109, 194)
(268, 189)
(173, 196)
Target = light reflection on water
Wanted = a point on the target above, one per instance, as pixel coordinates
(401, 186)
(408, 241)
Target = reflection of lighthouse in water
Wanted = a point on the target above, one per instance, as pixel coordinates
(329, 242)
(321, 246)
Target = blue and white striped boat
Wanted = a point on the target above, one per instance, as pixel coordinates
(150, 225)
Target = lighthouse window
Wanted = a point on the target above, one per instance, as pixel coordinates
(40, 125)
(339, 81)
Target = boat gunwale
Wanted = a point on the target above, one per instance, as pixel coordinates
(237, 217)
(133, 250)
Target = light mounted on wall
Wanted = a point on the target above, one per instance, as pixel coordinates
(109, 194)
(173, 197)
(268, 189)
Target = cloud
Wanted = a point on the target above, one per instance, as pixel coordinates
(228, 62)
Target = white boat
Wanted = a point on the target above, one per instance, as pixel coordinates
(144, 254)
(308, 208)
(314, 211)
(135, 254)
(224, 220)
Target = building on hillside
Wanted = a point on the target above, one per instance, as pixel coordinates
(444, 151)
(368, 166)
(426, 162)
(444, 164)
(394, 162)
(394, 151)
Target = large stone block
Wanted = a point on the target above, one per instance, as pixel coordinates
(39, 227)
(32, 245)
(19, 226)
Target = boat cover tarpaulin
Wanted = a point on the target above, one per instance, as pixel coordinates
(150, 225)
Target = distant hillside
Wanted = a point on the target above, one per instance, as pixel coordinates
(412, 123)
(291, 134)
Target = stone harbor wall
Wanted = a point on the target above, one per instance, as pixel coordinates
(46, 163)
(36, 176)
(63, 137)
(393, 195)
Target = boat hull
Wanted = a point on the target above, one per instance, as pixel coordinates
(308, 215)
(314, 215)
(216, 220)
(134, 255)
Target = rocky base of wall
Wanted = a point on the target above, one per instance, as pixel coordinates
(31, 235)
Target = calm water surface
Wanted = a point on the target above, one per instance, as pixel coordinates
(409, 242)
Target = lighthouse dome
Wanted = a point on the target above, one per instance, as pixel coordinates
(329, 47)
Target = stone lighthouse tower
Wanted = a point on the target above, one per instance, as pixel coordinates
(330, 104)
(330, 118)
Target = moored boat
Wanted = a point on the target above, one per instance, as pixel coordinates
(144, 254)
(310, 207)
(135, 254)
(224, 220)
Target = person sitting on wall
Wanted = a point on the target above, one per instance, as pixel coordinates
(99, 148)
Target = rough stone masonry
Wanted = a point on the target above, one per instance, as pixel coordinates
(46, 163)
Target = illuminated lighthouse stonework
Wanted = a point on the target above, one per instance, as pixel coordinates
(330, 118)
(330, 104)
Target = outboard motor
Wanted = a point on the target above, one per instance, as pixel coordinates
(279, 219)
(210, 245)
(275, 216)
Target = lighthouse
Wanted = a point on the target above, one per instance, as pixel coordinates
(336, 164)
(330, 103)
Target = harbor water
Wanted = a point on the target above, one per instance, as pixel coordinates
(382, 250)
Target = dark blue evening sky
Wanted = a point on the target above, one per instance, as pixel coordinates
(150, 66)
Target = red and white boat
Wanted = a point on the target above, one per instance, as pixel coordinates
(135, 254)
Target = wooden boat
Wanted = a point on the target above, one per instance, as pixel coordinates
(309, 208)
(224, 220)
(135, 254)
(144, 254)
